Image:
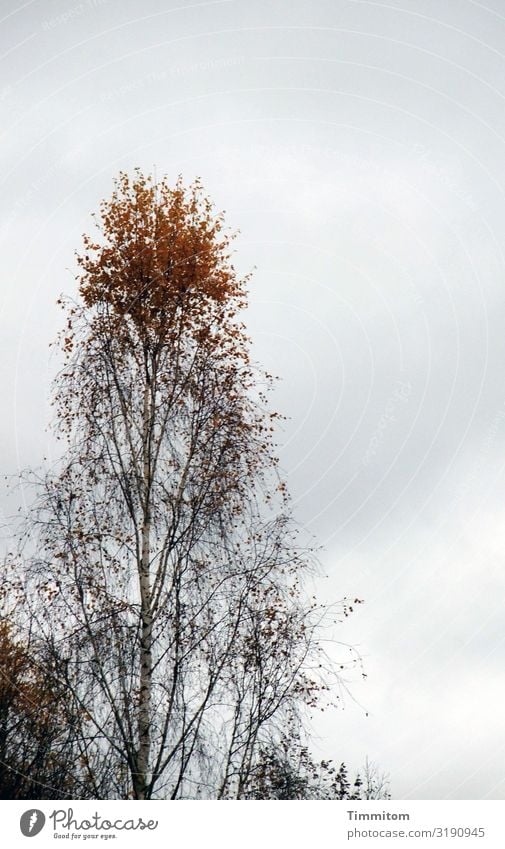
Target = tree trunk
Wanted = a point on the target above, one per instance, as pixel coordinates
(141, 778)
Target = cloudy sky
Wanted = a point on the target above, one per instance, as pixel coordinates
(359, 146)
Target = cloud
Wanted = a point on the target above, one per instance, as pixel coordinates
(360, 153)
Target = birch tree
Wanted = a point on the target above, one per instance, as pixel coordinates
(165, 574)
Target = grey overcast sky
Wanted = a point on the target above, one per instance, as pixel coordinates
(359, 146)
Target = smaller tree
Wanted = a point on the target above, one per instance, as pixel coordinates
(375, 784)
(35, 734)
(289, 771)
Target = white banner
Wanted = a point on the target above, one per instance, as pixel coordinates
(262, 825)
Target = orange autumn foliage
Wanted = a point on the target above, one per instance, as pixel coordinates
(162, 249)
(31, 719)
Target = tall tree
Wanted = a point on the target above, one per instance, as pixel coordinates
(162, 548)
